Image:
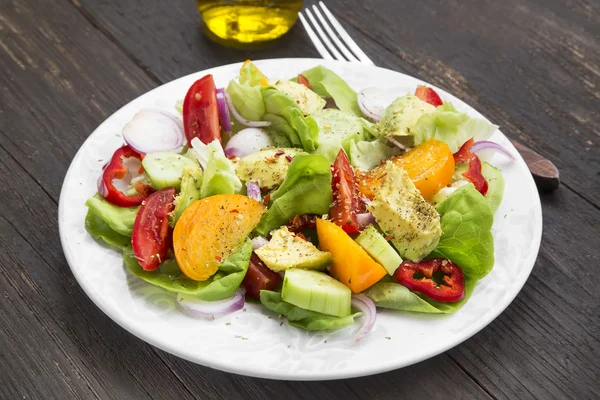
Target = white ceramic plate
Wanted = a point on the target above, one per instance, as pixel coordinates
(256, 342)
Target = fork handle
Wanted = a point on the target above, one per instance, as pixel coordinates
(545, 174)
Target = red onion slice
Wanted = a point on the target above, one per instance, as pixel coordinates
(485, 144)
(152, 130)
(224, 117)
(203, 308)
(247, 141)
(253, 191)
(372, 109)
(259, 242)
(242, 120)
(365, 219)
(367, 306)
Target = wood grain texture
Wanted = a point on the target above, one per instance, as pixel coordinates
(532, 67)
(544, 172)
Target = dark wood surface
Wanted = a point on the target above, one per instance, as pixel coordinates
(531, 66)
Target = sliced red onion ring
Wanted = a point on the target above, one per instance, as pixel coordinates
(211, 308)
(365, 200)
(223, 111)
(247, 141)
(153, 130)
(485, 144)
(396, 143)
(366, 305)
(242, 120)
(365, 219)
(253, 191)
(100, 182)
(371, 109)
(258, 242)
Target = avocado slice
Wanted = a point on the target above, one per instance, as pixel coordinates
(266, 167)
(307, 100)
(402, 213)
(400, 116)
(285, 250)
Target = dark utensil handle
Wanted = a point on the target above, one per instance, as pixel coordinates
(545, 174)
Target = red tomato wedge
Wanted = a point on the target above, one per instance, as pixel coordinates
(428, 95)
(346, 199)
(259, 277)
(200, 111)
(152, 238)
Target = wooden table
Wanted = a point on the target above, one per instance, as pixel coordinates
(531, 66)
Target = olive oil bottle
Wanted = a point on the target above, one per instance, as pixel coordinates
(248, 21)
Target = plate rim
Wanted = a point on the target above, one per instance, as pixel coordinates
(122, 321)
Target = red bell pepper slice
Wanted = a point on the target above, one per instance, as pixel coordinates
(117, 170)
(303, 81)
(428, 95)
(259, 277)
(438, 278)
(200, 111)
(346, 199)
(473, 174)
(152, 237)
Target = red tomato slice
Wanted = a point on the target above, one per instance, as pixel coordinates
(200, 111)
(428, 95)
(259, 277)
(346, 200)
(152, 237)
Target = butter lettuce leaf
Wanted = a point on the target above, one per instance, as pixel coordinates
(119, 219)
(305, 190)
(219, 173)
(466, 219)
(102, 232)
(247, 100)
(451, 127)
(327, 83)
(221, 285)
(366, 155)
(301, 318)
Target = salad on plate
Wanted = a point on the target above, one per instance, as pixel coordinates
(318, 202)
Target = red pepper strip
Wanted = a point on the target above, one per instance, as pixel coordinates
(303, 81)
(464, 153)
(473, 174)
(423, 277)
(117, 170)
(428, 95)
(301, 222)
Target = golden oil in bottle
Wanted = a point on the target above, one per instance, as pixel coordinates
(249, 21)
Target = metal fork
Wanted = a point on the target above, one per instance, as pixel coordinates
(346, 46)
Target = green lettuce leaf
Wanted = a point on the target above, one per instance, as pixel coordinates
(250, 75)
(221, 285)
(301, 318)
(247, 100)
(305, 190)
(279, 104)
(397, 297)
(466, 219)
(366, 155)
(191, 184)
(451, 127)
(102, 232)
(327, 83)
(119, 219)
(219, 173)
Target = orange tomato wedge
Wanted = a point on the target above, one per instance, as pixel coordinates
(351, 265)
(430, 166)
(263, 80)
(209, 229)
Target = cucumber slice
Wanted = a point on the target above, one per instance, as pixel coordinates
(495, 181)
(316, 291)
(377, 247)
(165, 168)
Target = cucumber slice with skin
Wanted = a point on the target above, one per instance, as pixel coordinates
(316, 291)
(379, 249)
(165, 168)
(494, 178)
